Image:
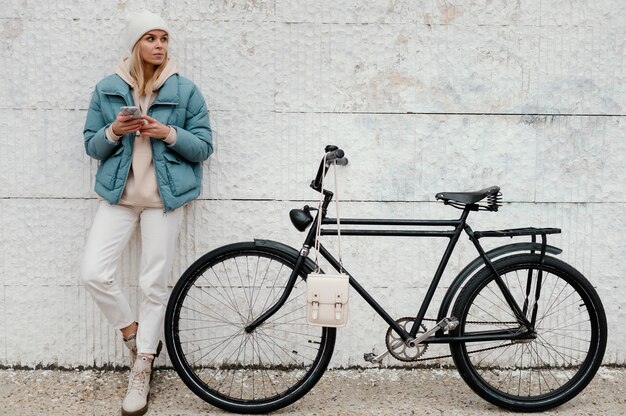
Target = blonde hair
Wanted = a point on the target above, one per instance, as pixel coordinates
(136, 71)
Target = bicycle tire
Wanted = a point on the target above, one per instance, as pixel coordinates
(539, 373)
(216, 297)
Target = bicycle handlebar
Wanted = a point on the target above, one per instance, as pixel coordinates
(333, 154)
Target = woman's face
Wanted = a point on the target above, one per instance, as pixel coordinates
(153, 47)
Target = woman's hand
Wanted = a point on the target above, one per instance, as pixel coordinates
(154, 128)
(126, 124)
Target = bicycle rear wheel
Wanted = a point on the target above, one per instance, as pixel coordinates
(544, 370)
(257, 372)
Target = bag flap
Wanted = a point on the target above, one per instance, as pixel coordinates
(325, 288)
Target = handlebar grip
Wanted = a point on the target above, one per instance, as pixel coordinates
(333, 154)
(336, 154)
(342, 162)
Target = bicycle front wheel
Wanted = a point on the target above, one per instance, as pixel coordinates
(257, 372)
(552, 365)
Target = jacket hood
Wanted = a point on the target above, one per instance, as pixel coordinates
(123, 70)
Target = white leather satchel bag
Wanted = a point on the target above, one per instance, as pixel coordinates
(327, 299)
(327, 294)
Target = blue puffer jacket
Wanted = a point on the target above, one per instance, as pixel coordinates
(178, 168)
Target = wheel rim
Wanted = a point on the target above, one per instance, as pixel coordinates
(223, 360)
(539, 368)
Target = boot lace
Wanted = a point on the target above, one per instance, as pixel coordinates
(139, 381)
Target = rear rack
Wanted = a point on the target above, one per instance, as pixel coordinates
(530, 231)
(516, 232)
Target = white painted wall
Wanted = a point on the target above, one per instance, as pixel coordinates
(424, 96)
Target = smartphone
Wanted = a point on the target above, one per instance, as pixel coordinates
(131, 111)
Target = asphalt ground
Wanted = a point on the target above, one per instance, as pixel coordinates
(340, 392)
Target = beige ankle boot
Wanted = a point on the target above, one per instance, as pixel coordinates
(136, 400)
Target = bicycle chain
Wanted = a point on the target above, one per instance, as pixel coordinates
(438, 357)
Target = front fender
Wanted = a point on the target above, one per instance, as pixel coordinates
(472, 267)
(288, 251)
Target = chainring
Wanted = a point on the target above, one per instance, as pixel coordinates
(396, 346)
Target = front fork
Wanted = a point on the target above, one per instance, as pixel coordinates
(288, 288)
(304, 252)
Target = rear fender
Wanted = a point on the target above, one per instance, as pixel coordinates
(477, 264)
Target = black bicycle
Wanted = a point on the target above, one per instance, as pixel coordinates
(526, 331)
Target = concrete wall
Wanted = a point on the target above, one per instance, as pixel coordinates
(424, 96)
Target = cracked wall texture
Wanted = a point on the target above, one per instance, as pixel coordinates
(424, 96)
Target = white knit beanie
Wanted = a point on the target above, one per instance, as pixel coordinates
(139, 23)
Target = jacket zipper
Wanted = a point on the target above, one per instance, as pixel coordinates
(156, 172)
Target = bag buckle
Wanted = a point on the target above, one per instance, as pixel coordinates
(338, 306)
(315, 309)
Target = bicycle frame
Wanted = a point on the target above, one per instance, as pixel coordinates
(459, 226)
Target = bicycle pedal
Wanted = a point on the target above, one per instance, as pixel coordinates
(369, 357)
(374, 358)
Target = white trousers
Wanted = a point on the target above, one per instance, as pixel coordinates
(109, 235)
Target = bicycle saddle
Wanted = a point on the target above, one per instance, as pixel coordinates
(468, 198)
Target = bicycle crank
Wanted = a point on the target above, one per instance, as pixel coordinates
(413, 349)
(398, 348)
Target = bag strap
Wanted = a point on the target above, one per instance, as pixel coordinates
(319, 222)
(338, 222)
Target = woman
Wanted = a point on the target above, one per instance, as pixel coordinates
(149, 167)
